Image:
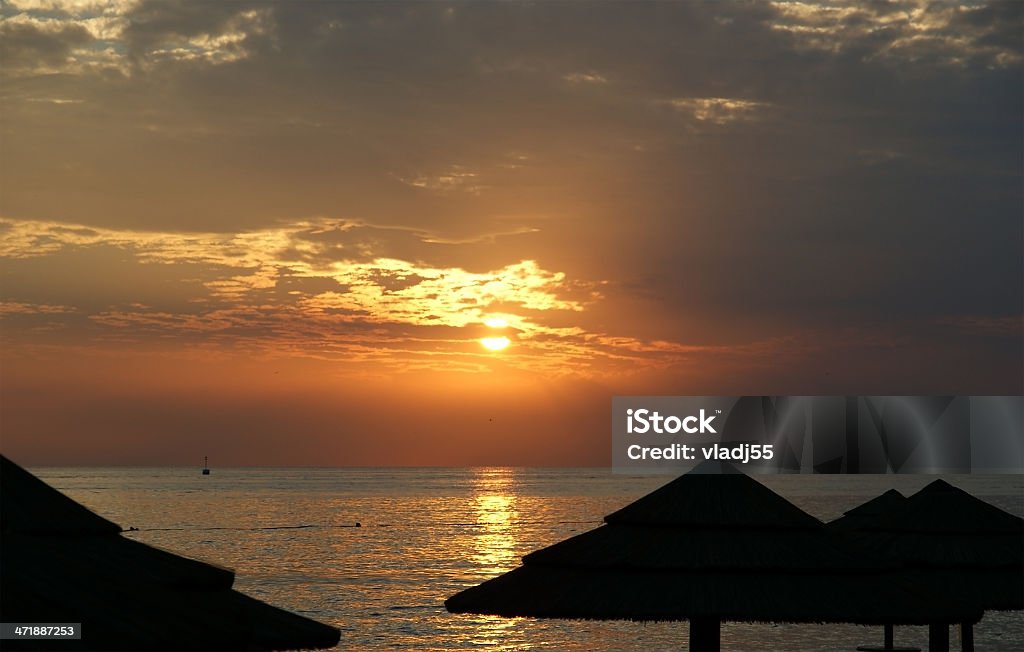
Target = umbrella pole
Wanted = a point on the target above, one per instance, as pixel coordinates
(938, 637)
(967, 637)
(889, 636)
(705, 635)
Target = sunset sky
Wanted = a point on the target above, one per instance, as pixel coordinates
(276, 232)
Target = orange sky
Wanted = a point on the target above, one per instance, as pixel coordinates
(275, 233)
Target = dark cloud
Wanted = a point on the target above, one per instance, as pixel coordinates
(996, 24)
(24, 45)
(152, 24)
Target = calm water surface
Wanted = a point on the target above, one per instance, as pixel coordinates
(428, 533)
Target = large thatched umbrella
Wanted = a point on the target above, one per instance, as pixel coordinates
(954, 543)
(60, 562)
(710, 546)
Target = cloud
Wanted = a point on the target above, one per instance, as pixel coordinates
(22, 308)
(311, 288)
(585, 78)
(851, 164)
(298, 291)
(210, 33)
(908, 31)
(27, 44)
(455, 179)
(717, 110)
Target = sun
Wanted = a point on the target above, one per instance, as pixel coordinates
(495, 343)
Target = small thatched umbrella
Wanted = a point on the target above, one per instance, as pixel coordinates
(857, 518)
(957, 544)
(60, 562)
(712, 545)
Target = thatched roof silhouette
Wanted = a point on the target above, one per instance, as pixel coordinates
(62, 563)
(959, 544)
(711, 545)
(942, 508)
(868, 513)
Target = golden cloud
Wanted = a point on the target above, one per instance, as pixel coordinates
(312, 287)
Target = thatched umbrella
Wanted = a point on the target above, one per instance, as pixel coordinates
(857, 518)
(712, 545)
(62, 563)
(955, 543)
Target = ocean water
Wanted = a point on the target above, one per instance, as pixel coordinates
(427, 533)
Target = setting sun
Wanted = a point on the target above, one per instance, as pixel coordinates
(495, 343)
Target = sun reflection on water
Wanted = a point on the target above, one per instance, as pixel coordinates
(494, 501)
(495, 543)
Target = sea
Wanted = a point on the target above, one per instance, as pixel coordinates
(424, 534)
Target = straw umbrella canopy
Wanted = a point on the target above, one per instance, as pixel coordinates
(712, 545)
(955, 543)
(857, 518)
(62, 563)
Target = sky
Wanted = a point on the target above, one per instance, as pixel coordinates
(275, 233)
